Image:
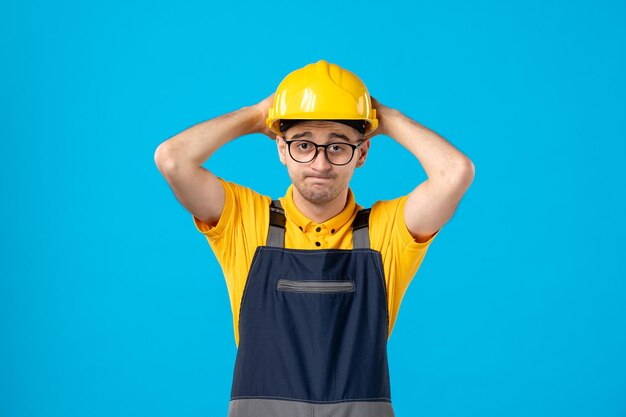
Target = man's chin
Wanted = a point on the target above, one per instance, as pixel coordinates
(317, 193)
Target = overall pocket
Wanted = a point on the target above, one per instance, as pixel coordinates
(315, 286)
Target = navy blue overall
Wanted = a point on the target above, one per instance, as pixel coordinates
(313, 329)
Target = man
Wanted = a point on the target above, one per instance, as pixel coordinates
(315, 282)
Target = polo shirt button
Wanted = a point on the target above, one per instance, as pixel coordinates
(332, 230)
(318, 244)
(300, 227)
(319, 229)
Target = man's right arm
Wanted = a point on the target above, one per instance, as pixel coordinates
(180, 158)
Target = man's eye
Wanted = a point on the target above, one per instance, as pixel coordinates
(303, 146)
(336, 148)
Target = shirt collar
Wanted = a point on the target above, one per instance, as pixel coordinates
(335, 223)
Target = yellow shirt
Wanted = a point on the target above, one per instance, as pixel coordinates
(244, 224)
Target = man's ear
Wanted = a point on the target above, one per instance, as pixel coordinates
(363, 150)
(281, 146)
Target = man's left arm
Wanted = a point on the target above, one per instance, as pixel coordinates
(433, 202)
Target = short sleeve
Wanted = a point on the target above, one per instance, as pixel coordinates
(388, 227)
(403, 230)
(217, 230)
(242, 225)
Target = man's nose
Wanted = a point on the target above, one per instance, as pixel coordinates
(321, 163)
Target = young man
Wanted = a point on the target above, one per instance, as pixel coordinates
(315, 282)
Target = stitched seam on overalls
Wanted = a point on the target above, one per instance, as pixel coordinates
(378, 262)
(375, 399)
(255, 259)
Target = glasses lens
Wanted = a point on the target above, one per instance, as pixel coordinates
(339, 153)
(302, 150)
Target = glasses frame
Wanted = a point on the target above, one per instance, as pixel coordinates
(354, 148)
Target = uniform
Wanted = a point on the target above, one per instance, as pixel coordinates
(313, 304)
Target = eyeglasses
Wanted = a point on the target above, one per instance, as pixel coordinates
(339, 153)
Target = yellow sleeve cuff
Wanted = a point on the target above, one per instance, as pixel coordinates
(407, 237)
(218, 230)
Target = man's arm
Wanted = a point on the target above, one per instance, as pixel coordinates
(180, 158)
(433, 202)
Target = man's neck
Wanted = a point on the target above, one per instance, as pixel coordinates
(320, 213)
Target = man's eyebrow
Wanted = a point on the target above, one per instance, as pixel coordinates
(330, 135)
(339, 135)
(299, 135)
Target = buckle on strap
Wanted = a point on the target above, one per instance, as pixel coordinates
(277, 214)
(360, 230)
(276, 232)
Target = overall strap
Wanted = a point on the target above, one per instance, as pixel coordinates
(360, 230)
(276, 233)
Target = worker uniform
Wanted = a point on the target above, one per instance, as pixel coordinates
(313, 322)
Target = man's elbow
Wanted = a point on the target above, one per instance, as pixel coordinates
(164, 160)
(468, 170)
(463, 173)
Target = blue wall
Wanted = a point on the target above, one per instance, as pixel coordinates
(112, 304)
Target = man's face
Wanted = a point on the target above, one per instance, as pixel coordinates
(319, 181)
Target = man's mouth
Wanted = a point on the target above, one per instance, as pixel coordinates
(319, 178)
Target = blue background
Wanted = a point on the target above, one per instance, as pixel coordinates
(112, 304)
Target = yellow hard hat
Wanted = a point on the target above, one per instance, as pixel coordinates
(322, 91)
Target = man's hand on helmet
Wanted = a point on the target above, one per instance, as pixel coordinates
(381, 110)
(262, 108)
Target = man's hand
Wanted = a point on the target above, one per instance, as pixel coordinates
(262, 108)
(381, 112)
